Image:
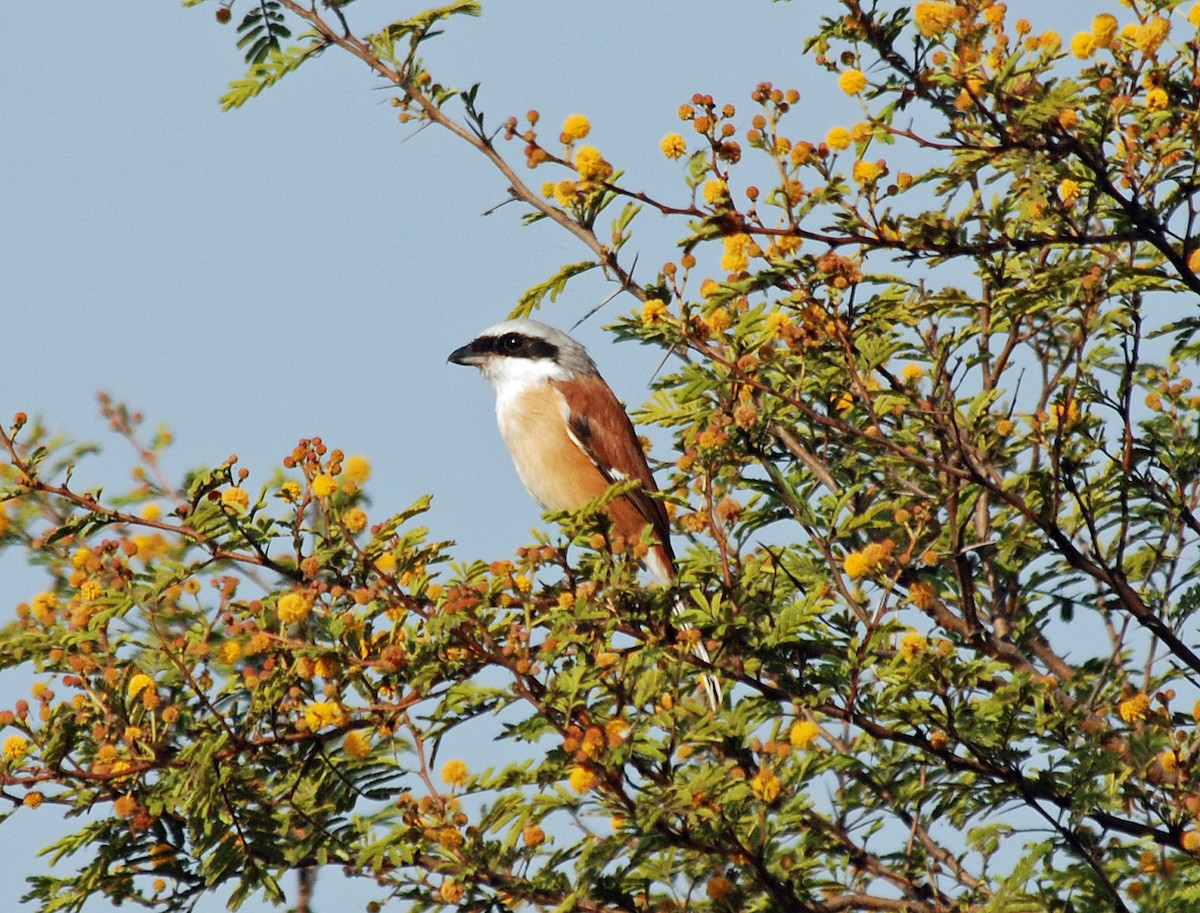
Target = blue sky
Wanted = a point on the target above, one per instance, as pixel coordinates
(304, 265)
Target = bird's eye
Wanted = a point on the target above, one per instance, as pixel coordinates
(511, 344)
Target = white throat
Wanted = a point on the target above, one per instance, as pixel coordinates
(510, 377)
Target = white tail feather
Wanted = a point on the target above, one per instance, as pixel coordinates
(712, 688)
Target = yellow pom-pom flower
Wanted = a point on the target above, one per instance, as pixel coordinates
(852, 82)
(735, 258)
(138, 684)
(1104, 27)
(653, 310)
(866, 173)
(933, 18)
(582, 780)
(1068, 190)
(591, 165)
(1150, 36)
(357, 469)
(235, 499)
(1135, 708)
(576, 127)
(673, 146)
(355, 519)
(765, 785)
(455, 773)
(356, 745)
(1157, 100)
(324, 485)
(292, 607)
(803, 734)
(838, 138)
(15, 748)
(320, 714)
(912, 645)
(856, 565)
(714, 191)
(1083, 45)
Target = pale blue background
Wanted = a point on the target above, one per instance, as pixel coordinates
(304, 265)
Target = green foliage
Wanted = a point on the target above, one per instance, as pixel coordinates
(939, 480)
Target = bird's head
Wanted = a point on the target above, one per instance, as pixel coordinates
(519, 353)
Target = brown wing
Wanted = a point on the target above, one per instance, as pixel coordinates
(612, 445)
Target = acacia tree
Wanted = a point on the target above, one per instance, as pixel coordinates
(939, 485)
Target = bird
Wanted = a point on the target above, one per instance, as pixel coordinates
(571, 439)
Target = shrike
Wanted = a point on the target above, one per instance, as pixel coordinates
(570, 437)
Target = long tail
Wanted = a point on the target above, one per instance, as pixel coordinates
(712, 687)
(661, 564)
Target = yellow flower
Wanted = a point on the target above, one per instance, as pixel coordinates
(838, 138)
(912, 372)
(90, 590)
(1157, 100)
(235, 499)
(1104, 27)
(912, 644)
(564, 192)
(355, 519)
(1134, 709)
(324, 713)
(1167, 760)
(1151, 35)
(934, 18)
(673, 145)
(1050, 40)
(151, 512)
(1190, 840)
(357, 469)
(576, 127)
(230, 652)
(1083, 45)
(15, 748)
(533, 835)
(80, 557)
(138, 684)
(852, 82)
(921, 594)
(867, 172)
(803, 734)
(1068, 190)
(292, 607)
(765, 785)
(582, 780)
(324, 485)
(33, 799)
(1193, 15)
(591, 165)
(653, 310)
(735, 259)
(719, 320)
(451, 891)
(856, 565)
(776, 323)
(356, 745)
(714, 191)
(455, 773)
(290, 491)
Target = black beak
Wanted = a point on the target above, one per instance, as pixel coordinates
(466, 355)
